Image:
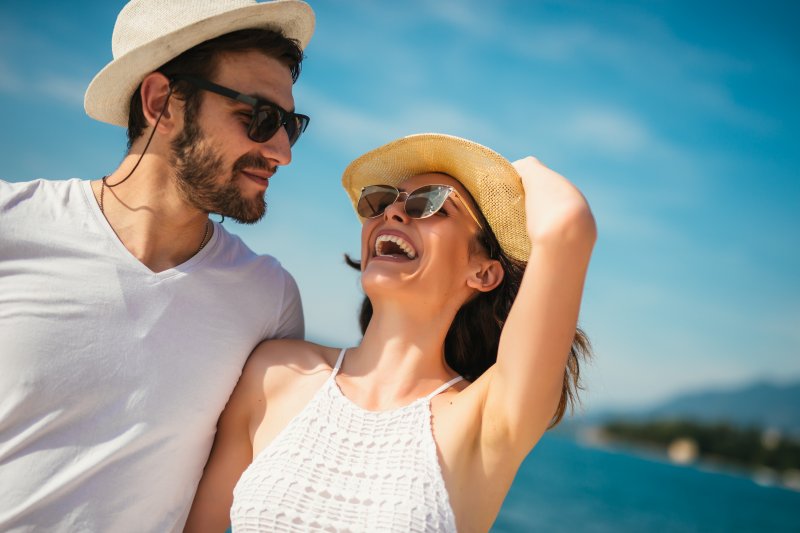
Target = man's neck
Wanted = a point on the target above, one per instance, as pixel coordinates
(149, 215)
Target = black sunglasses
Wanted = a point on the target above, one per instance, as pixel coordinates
(267, 118)
(419, 203)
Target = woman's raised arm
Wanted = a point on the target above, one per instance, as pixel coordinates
(525, 385)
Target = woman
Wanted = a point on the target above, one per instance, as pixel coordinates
(387, 436)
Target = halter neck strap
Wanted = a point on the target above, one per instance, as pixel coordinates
(444, 387)
(438, 390)
(338, 362)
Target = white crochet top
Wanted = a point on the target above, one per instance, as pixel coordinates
(337, 467)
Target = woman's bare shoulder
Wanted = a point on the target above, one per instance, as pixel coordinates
(283, 361)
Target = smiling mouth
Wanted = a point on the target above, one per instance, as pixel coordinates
(261, 176)
(394, 246)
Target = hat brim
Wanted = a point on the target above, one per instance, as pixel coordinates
(108, 95)
(490, 178)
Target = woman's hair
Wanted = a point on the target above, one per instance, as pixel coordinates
(470, 346)
(201, 61)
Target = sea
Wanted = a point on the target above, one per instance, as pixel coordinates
(567, 486)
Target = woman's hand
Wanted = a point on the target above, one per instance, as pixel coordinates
(556, 210)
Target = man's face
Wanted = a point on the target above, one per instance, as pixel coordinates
(218, 168)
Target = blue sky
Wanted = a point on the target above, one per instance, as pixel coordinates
(679, 120)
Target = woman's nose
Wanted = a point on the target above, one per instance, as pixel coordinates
(397, 210)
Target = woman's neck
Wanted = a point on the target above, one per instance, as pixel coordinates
(400, 358)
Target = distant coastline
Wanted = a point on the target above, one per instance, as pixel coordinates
(766, 456)
(753, 429)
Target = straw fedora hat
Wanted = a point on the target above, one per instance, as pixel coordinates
(490, 178)
(149, 33)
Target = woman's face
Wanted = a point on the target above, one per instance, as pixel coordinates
(428, 258)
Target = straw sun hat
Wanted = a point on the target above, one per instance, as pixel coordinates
(149, 33)
(490, 178)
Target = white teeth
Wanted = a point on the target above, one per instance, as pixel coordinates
(399, 241)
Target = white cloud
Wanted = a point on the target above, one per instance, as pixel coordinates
(647, 53)
(717, 99)
(355, 130)
(623, 220)
(10, 81)
(63, 89)
(21, 79)
(606, 129)
(472, 18)
(551, 42)
(69, 91)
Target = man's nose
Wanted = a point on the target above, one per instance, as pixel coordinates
(277, 148)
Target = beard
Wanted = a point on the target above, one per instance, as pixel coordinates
(197, 168)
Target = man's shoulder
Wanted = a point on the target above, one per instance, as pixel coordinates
(39, 184)
(233, 253)
(234, 250)
(16, 193)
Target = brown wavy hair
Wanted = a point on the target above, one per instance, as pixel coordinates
(471, 344)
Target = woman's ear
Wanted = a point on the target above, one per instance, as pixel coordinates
(155, 94)
(486, 276)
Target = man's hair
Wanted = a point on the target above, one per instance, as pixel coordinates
(471, 344)
(202, 61)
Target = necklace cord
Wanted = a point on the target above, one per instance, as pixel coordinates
(104, 180)
(205, 236)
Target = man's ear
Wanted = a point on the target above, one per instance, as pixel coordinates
(487, 274)
(155, 95)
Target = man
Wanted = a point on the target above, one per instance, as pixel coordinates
(126, 315)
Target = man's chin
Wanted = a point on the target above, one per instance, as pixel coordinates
(247, 221)
(249, 216)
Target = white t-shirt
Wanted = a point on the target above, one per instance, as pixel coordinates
(112, 377)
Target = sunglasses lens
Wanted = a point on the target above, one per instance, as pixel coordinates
(266, 121)
(375, 199)
(295, 126)
(426, 201)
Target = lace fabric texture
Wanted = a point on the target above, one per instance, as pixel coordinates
(339, 468)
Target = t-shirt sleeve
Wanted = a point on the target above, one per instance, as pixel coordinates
(291, 324)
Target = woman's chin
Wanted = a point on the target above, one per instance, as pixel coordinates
(386, 277)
